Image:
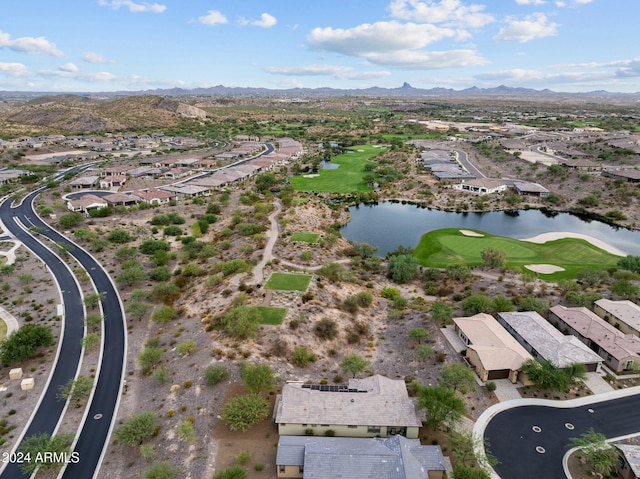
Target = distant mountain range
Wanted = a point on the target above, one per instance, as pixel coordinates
(406, 90)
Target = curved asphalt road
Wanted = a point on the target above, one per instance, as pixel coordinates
(95, 432)
(511, 437)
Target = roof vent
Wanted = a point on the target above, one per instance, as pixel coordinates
(353, 400)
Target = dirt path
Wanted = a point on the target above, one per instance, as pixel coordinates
(258, 271)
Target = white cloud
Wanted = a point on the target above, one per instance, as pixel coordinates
(29, 45)
(13, 69)
(376, 37)
(213, 17)
(92, 57)
(266, 21)
(531, 2)
(427, 60)
(572, 3)
(133, 6)
(531, 27)
(394, 44)
(335, 71)
(69, 67)
(447, 12)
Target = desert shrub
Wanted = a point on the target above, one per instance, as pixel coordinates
(215, 374)
(326, 329)
(302, 356)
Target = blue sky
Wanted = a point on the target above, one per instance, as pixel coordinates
(107, 45)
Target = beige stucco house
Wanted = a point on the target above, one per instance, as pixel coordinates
(619, 350)
(491, 350)
(373, 407)
(624, 315)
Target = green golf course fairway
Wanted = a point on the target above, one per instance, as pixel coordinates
(444, 247)
(348, 178)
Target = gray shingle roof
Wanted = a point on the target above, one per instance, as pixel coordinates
(395, 457)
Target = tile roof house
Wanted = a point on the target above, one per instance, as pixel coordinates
(120, 199)
(544, 341)
(375, 406)
(395, 457)
(619, 350)
(622, 314)
(525, 188)
(154, 196)
(491, 350)
(86, 203)
(82, 182)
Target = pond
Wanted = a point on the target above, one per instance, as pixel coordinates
(388, 225)
(327, 165)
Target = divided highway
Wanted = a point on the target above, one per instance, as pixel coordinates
(92, 440)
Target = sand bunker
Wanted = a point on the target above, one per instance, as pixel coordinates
(543, 268)
(310, 176)
(471, 233)
(544, 237)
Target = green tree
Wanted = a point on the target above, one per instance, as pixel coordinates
(631, 263)
(531, 303)
(257, 377)
(458, 377)
(131, 276)
(425, 351)
(242, 322)
(36, 446)
(70, 220)
(24, 343)
(76, 390)
(187, 347)
(546, 375)
(93, 300)
(419, 334)
(602, 456)
(443, 405)
(242, 412)
(441, 312)
(402, 268)
(625, 289)
(136, 429)
(90, 341)
(215, 374)
(119, 236)
(161, 470)
(149, 357)
(477, 303)
(163, 314)
(138, 309)
(494, 257)
(501, 304)
(354, 364)
(302, 356)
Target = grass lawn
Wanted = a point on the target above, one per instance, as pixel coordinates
(3, 329)
(272, 316)
(288, 282)
(441, 248)
(311, 238)
(348, 178)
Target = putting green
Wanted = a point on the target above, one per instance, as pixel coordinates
(444, 247)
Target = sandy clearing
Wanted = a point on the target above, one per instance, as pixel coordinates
(544, 237)
(544, 268)
(471, 233)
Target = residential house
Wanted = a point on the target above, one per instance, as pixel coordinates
(84, 182)
(620, 351)
(120, 199)
(629, 175)
(154, 196)
(112, 181)
(545, 342)
(115, 170)
(628, 461)
(371, 407)
(86, 203)
(185, 190)
(525, 188)
(483, 186)
(491, 350)
(395, 457)
(624, 315)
